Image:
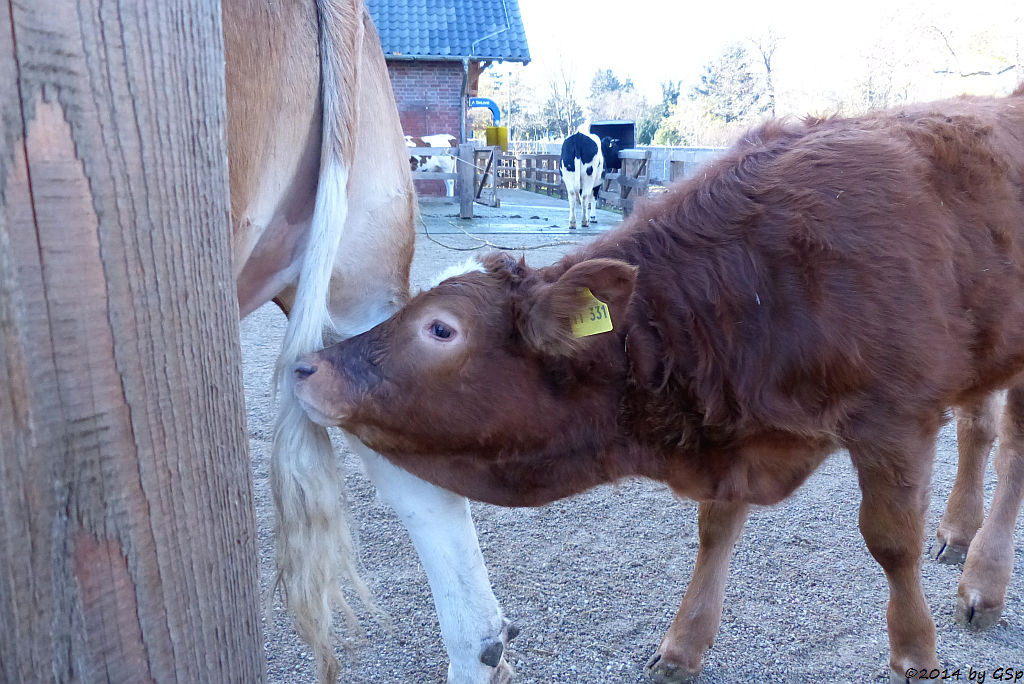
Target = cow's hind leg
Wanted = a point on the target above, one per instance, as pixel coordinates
(678, 658)
(474, 632)
(990, 556)
(592, 201)
(895, 486)
(965, 511)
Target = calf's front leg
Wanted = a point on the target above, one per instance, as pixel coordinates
(474, 632)
(693, 630)
(894, 487)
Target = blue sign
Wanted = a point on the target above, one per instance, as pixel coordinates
(490, 104)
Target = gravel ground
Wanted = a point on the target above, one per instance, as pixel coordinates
(595, 580)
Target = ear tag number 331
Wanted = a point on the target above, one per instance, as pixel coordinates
(592, 317)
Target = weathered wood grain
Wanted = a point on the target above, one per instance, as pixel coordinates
(127, 537)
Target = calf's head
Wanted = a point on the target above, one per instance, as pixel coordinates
(485, 363)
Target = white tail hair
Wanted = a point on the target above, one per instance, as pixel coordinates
(315, 550)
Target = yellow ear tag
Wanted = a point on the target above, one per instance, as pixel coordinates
(592, 317)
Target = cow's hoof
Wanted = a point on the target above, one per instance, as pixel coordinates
(509, 630)
(503, 674)
(593, 220)
(572, 225)
(663, 672)
(973, 614)
(492, 652)
(948, 552)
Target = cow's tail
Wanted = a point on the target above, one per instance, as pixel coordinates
(315, 551)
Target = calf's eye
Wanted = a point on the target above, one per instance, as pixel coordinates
(440, 330)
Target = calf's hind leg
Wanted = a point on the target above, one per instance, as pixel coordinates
(965, 510)
(990, 556)
(693, 630)
(894, 489)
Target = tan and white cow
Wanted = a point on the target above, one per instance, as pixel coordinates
(322, 210)
(444, 163)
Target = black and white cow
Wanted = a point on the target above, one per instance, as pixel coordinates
(582, 166)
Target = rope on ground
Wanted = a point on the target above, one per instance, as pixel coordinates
(487, 243)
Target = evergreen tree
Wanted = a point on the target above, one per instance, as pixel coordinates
(729, 87)
(605, 81)
(648, 126)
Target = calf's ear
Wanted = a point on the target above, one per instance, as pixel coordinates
(546, 313)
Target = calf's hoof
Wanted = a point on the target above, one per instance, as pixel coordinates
(949, 553)
(949, 548)
(901, 677)
(906, 674)
(973, 613)
(662, 671)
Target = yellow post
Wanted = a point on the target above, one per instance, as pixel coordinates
(497, 136)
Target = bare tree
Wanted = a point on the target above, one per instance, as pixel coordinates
(562, 112)
(995, 70)
(766, 44)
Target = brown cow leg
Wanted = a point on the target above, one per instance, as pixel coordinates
(990, 557)
(693, 630)
(965, 511)
(895, 490)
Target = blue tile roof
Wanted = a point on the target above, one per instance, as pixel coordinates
(450, 29)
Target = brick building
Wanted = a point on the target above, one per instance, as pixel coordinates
(436, 51)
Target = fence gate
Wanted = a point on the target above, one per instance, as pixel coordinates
(623, 188)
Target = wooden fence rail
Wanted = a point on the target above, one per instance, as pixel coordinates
(539, 173)
(476, 173)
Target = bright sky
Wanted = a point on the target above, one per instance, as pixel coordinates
(821, 44)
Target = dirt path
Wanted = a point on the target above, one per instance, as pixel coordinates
(594, 581)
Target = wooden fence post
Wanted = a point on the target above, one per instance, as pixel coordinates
(467, 179)
(127, 534)
(676, 169)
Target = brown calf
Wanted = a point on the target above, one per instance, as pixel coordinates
(830, 283)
